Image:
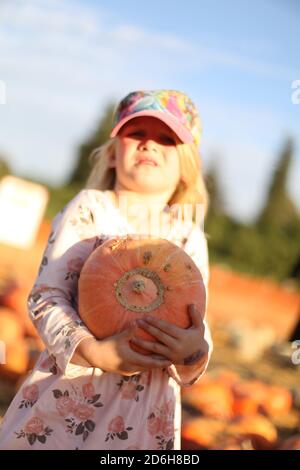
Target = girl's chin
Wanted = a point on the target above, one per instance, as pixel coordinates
(144, 188)
(146, 183)
(149, 184)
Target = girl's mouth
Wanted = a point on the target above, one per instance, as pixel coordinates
(146, 161)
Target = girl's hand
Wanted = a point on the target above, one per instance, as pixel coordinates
(114, 354)
(181, 346)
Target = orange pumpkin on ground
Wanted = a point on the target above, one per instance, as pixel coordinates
(128, 278)
(14, 355)
(258, 428)
(228, 377)
(16, 360)
(16, 300)
(279, 401)
(255, 390)
(212, 399)
(291, 443)
(271, 400)
(201, 433)
(244, 406)
(11, 328)
(226, 442)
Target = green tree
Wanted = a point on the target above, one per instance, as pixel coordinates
(219, 226)
(97, 138)
(216, 203)
(4, 167)
(279, 211)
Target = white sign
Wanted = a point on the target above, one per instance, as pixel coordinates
(22, 206)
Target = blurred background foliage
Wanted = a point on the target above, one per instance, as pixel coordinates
(267, 247)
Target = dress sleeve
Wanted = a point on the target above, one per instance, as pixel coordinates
(196, 247)
(52, 302)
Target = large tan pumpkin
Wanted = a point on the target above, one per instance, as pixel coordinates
(128, 278)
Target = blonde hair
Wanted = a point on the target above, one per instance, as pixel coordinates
(190, 190)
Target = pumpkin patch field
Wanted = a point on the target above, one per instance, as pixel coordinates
(249, 397)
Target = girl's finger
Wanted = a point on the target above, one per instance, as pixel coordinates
(158, 356)
(151, 346)
(158, 363)
(166, 327)
(195, 316)
(129, 331)
(158, 334)
(147, 361)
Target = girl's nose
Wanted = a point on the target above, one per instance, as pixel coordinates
(148, 144)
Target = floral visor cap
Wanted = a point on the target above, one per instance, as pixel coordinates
(172, 107)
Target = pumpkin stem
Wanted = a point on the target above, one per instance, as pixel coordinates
(138, 286)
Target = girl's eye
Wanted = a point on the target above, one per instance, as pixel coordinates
(136, 134)
(167, 140)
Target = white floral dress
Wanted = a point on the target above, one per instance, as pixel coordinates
(64, 406)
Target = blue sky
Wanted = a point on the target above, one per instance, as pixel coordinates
(62, 61)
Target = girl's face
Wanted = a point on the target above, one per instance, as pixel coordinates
(146, 158)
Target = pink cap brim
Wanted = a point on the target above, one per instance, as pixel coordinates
(180, 130)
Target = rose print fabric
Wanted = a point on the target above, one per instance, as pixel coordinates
(64, 406)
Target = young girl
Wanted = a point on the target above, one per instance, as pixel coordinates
(86, 393)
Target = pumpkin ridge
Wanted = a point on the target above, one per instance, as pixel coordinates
(117, 243)
(167, 259)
